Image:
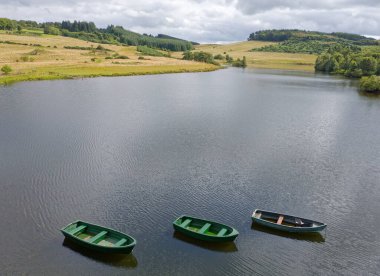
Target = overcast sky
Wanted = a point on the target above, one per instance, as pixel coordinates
(206, 20)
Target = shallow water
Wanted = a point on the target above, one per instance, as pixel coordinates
(134, 153)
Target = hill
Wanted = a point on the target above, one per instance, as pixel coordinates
(89, 32)
(308, 42)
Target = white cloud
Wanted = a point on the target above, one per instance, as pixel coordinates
(206, 20)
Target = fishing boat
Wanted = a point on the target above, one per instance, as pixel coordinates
(205, 229)
(286, 223)
(99, 238)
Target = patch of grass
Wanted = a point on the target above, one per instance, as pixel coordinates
(145, 50)
(37, 51)
(27, 59)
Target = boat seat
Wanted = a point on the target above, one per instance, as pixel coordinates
(299, 222)
(98, 237)
(258, 215)
(185, 223)
(121, 242)
(222, 232)
(204, 228)
(280, 219)
(78, 229)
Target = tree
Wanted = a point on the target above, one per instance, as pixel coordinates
(218, 56)
(6, 69)
(368, 66)
(7, 24)
(244, 62)
(240, 62)
(370, 84)
(321, 62)
(229, 59)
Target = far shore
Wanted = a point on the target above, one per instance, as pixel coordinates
(48, 57)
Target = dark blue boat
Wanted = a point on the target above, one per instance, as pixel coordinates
(286, 223)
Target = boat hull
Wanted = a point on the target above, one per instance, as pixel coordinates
(211, 235)
(267, 219)
(127, 248)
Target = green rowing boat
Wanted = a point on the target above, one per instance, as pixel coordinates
(99, 238)
(205, 229)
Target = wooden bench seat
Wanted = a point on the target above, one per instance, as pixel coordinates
(121, 242)
(204, 228)
(78, 229)
(280, 219)
(185, 223)
(222, 232)
(98, 237)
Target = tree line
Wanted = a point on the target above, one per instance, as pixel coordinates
(349, 62)
(301, 35)
(297, 41)
(352, 63)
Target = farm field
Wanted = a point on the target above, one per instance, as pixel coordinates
(45, 57)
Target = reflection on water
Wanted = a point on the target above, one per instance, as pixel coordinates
(311, 237)
(118, 260)
(213, 246)
(370, 95)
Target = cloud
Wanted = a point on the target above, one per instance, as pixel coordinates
(257, 6)
(206, 20)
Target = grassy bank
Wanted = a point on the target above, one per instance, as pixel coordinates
(54, 57)
(71, 72)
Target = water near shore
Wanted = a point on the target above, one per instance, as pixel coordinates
(134, 153)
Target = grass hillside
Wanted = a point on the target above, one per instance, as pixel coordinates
(34, 57)
(88, 31)
(268, 60)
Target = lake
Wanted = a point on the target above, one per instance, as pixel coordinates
(134, 153)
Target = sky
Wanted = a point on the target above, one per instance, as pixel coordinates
(205, 21)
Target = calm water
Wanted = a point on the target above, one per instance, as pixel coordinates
(134, 153)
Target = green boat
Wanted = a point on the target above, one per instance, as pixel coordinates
(99, 238)
(205, 229)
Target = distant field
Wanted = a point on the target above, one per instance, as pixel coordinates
(52, 61)
(268, 60)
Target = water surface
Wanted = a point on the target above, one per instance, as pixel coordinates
(134, 153)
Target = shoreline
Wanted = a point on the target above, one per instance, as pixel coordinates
(93, 72)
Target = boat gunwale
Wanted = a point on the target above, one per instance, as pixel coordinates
(132, 244)
(234, 232)
(322, 225)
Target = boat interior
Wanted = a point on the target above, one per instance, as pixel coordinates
(97, 236)
(283, 219)
(203, 227)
